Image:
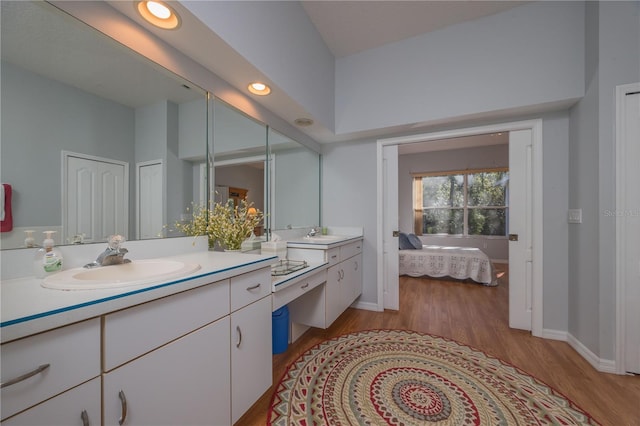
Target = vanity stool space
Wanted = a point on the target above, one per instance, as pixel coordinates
(320, 306)
(195, 356)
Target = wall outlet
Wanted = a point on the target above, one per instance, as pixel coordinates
(575, 215)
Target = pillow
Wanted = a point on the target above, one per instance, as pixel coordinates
(405, 244)
(415, 241)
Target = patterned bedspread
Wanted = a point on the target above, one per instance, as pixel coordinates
(456, 262)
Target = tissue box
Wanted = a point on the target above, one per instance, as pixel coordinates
(276, 248)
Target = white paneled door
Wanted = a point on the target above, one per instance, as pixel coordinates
(150, 199)
(391, 291)
(96, 197)
(520, 229)
(627, 215)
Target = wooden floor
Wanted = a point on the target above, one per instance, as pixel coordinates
(478, 316)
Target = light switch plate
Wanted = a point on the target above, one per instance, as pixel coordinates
(575, 215)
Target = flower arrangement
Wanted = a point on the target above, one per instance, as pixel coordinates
(225, 224)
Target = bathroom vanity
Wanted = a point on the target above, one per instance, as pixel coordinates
(317, 298)
(194, 350)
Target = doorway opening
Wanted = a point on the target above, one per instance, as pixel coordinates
(530, 293)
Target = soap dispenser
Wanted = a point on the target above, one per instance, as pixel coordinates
(48, 259)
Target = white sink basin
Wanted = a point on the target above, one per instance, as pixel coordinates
(128, 274)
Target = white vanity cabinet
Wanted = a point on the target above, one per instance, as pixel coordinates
(185, 382)
(321, 307)
(53, 364)
(251, 361)
(166, 362)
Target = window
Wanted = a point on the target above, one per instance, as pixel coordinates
(462, 203)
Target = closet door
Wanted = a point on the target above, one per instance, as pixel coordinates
(96, 193)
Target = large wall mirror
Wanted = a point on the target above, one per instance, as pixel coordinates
(296, 183)
(277, 174)
(96, 139)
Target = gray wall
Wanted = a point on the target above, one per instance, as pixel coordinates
(529, 55)
(349, 182)
(41, 117)
(457, 159)
(613, 58)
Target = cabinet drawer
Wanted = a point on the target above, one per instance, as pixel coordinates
(64, 409)
(282, 297)
(135, 331)
(249, 287)
(333, 256)
(73, 355)
(350, 250)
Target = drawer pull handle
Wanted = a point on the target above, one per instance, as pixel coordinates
(239, 336)
(25, 376)
(356, 266)
(305, 286)
(85, 418)
(335, 256)
(253, 287)
(123, 405)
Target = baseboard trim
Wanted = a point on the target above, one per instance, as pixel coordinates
(602, 365)
(554, 334)
(367, 306)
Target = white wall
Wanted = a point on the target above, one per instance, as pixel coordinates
(349, 199)
(529, 55)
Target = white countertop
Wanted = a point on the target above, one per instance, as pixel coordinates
(318, 243)
(29, 308)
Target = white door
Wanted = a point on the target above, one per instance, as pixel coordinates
(97, 197)
(630, 217)
(391, 291)
(150, 200)
(520, 226)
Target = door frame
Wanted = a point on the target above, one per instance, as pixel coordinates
(621, 172)
(535, 126)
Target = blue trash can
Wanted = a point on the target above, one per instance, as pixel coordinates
(280, 329)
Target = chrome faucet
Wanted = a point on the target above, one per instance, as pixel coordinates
(113, 255)
(312, 232)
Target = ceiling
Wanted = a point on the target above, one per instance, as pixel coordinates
(349, 27)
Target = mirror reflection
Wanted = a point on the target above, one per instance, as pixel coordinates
(295, 193)
(96, 139)
(239, 160)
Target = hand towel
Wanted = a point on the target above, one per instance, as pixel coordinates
(6, 222)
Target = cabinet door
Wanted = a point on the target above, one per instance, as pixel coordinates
(185, 382)
(333, 301)
(251, 359)
(79, 406)
(352, 283)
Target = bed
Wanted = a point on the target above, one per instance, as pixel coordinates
(456, 262)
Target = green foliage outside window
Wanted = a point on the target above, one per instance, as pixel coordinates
(481, 197)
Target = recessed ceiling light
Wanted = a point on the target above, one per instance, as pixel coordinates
(303, 122)
(159, 13)
(258, 88)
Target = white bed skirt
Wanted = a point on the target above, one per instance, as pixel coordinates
(456, 262)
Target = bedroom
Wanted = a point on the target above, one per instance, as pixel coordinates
(481, 248)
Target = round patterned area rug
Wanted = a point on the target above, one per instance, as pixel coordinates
(398, 377)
